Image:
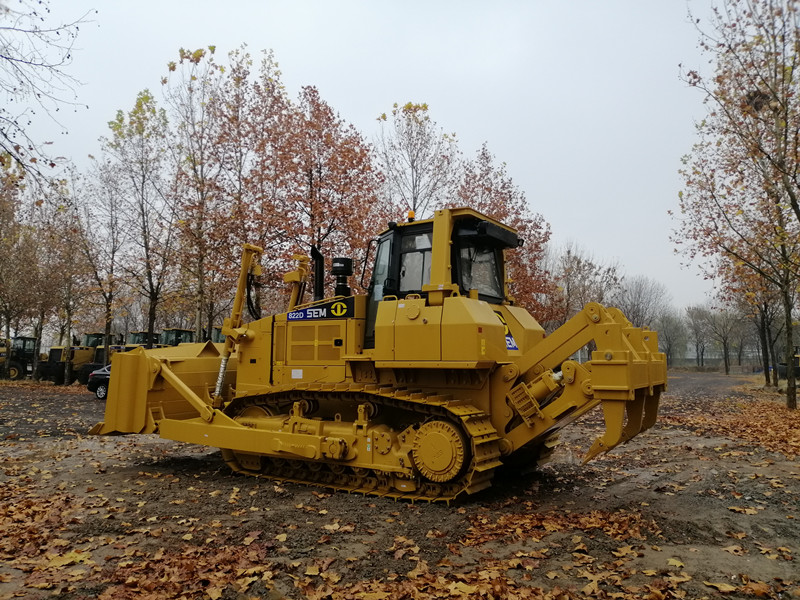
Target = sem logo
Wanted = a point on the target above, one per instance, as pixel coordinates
(503, 321)
(338, 309)
(511, 343)
(308, 313)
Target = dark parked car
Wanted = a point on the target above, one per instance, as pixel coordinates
(98, 382)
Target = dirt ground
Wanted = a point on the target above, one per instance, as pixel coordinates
(707, 504)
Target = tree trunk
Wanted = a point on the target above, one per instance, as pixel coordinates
(68, 347)
(7, 343)
(726, 357)
(107, 331)
(762, 338)
(37, 333)
(773, 356)
(151, 319)
(199, 308)
(198, 319)
(791, 383)
(210, 330)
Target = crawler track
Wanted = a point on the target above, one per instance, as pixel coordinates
(475, 428)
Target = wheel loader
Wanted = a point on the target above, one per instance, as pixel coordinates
(20, 352)
(420, 389)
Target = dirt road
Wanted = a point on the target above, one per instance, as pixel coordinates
(695, 508)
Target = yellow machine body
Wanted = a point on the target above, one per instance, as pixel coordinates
(419, 389)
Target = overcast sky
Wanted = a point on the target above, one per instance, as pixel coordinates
(582, 100)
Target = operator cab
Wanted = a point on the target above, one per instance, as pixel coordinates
(477, 258)
(405, 255)
(24, 345)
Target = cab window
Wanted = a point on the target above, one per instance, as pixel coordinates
(415, 261)
(381, 285)
(380, 275)
(480, 271)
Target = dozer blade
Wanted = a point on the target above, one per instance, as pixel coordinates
(147, 386)
(641, 413)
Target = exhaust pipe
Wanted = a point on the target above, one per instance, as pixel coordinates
(319, 273)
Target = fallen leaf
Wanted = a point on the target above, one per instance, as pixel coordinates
(725, 588)
(374, 595)
(215, 593)
(591, 588)
(251, 537)
(757, 588)
(676, 579)
(462, 588)
(418, 571)
(434, 533)
(674, 562)
(245, 582)
(331, 577)
(70, 558)
(625, 551)
(745, 510)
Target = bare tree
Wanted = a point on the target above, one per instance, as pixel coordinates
(743, 178)
(190, 91)
(139, 147)
(12, 288)
(672, 335)
(697, 318)
(102, 237)
(770, 330)
(580, 278)
(743, 337)
(58, 228)
(642, 300)
(722, 325)
(34, 56)
(418, 161)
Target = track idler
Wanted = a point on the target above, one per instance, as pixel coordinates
(439, 451)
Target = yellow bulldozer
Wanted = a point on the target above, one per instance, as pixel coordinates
(421, 388)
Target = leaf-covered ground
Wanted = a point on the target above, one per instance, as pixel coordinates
(707, 504)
